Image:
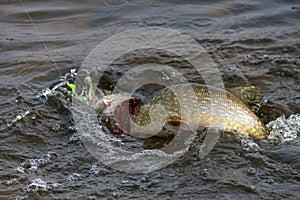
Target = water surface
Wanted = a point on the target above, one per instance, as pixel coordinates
(254, 43)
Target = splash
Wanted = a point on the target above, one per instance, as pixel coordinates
(33, 164)
(285, 129)
(38, 185)
(58, 89)
(281, 129)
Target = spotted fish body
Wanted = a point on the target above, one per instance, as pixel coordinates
(203, 106)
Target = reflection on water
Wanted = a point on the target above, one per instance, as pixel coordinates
(253, 43)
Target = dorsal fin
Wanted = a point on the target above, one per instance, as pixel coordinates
(250, 95)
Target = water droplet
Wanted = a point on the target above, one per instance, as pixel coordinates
(124, 181)
(252, 187)
(9, 124)
(33, 116)
(11, 181)
(74, 138)
(74, 177)
(251, 170)
(20, 169)
(270, 181)
(52, 155)
(56, 127)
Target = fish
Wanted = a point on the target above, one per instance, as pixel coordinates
(198, 106)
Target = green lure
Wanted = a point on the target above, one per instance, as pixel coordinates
(73, 88)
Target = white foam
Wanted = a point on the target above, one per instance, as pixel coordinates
(74, 177)
(284, 129)
(38, 184)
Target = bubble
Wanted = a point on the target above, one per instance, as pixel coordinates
(270, 181)
(249, 145)
(34, 164)
(22, 197)
(74, 138)
(11, 181)
(251, 170)
(20, 169)
(74, 177)
(73, 71)
(47, 92)
(52, 155)
(95, 169)
(55, 127)
(33, 116)
(8, 124)
(252, 187)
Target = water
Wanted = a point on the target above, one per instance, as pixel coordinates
(42, 157)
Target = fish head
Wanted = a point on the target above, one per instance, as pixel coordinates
(119, 106)
(120, 109)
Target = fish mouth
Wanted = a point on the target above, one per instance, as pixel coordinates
(120, 108)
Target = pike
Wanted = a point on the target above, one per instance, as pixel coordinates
(198, 106)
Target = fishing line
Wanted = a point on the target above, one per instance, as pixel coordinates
(49, 54)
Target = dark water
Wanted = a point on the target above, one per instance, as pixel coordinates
(253, 42)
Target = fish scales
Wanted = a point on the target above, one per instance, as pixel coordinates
(204, 106)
